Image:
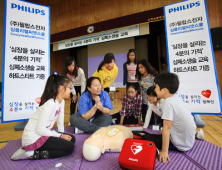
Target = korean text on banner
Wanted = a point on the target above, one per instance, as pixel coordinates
(191, 57)
(26, 58)
(111, 35)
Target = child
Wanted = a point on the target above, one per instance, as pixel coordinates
(131, 107)
(77, 76)
(129, 69)
(179, 127)
(145, 74)
(155, 107)
(38, 140)
(107, 71)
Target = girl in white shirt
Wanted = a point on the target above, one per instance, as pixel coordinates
(154, 111)
(38, 140)
(77, 77)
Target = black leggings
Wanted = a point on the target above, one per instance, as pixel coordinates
(144, 111)
(126, 120)
(73, 105)
(58, 147)
(157, 139)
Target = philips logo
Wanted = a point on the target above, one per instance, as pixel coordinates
(131, 159)
(184, 7)
(27, 9)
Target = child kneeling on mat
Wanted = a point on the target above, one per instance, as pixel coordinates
(131, 107)
(179, 128)
(38, 140)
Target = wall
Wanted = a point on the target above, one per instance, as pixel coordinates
(69, 14)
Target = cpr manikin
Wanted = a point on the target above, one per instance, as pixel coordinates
(109, 138)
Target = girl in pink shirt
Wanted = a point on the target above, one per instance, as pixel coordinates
(129, 69)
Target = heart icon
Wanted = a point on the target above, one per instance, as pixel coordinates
(136, 149)
(206, 93)
(38, 100)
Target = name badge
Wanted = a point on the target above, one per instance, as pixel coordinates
(112, 89)
(133, 78)
(156, 127)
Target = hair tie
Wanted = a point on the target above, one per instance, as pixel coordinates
(55, 74)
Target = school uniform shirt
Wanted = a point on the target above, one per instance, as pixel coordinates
(183, 128)
(134, 107)
(107, 77)
(152, 108)
(145, 83)
(80, 80)
(43, 120)
(86, 102)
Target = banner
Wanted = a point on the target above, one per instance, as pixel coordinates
(115, 34)
(26, 58)
(191, 57)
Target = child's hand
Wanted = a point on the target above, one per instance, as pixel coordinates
(163, 157)
(74, 98)
(66, 137)
(140, 122)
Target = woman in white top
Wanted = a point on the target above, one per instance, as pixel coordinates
(39, 141)
(77, 76)
(154, 112)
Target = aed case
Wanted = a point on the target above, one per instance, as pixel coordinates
(138, 155)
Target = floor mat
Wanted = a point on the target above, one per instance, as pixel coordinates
(203, 155)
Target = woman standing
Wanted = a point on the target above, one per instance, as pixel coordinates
(77, 76)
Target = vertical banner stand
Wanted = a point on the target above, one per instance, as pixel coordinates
(20, 125)
(26, 60)
(190, 55)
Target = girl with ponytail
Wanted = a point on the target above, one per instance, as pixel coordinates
(38, 140)
(107, 71)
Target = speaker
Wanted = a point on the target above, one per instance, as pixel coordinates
(216, 35)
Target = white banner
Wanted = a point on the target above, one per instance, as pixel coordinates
(191, 56)
(115, 34)
(26, 58)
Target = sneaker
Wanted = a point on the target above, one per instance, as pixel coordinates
(77, 131)
(200, 134)
(22, 154)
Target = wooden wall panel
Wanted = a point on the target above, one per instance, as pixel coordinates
(70, 14)
(57, 59)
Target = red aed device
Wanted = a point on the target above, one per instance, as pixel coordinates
(138, 155)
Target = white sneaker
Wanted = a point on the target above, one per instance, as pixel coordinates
(21, 154)
(200, 134)
(77, 131)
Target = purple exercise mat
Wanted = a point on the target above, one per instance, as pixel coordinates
(203, 155)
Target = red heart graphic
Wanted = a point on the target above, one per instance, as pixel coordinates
(38, 100)
(206, 93)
